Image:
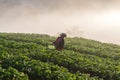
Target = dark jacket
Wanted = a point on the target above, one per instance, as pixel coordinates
(59, 43)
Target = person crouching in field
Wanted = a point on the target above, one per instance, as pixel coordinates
(59, 43)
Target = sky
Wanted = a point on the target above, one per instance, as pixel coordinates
(92, 19)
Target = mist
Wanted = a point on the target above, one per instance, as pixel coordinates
(92, 19)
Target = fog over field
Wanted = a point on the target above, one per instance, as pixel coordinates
(92, 19)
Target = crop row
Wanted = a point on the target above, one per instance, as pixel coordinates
(95, 59)
(37, 70)
(76, 44)
(77, 62)
(74, 61)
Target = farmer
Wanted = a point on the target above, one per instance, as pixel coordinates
(59, 43)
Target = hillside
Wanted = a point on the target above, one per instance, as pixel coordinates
(29, 57)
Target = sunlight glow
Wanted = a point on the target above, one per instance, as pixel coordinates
(112, 18)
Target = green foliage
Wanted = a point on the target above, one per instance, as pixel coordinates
(12, 74)
(31, 57)
(39, 70)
